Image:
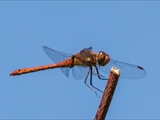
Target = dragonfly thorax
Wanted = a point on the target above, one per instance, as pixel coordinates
(102, 58)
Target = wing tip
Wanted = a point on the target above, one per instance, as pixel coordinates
(44, 47)
(141, 68)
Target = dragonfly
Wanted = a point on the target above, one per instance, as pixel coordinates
(85, 63)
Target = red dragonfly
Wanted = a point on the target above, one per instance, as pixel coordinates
(84, 63)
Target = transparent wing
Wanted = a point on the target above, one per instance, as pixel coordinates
(127, 70)
(58, 56)
(79, 72)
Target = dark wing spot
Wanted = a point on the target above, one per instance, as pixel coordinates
(140, 67)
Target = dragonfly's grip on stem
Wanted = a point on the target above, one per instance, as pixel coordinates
(107, 95)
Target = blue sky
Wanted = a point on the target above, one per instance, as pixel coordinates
(127, 31)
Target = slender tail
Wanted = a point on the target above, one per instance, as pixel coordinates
(65, 63)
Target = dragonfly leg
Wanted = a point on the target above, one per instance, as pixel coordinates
(91, 81)
(100, 76)
(85, 82)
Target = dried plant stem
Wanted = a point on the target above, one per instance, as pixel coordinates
(107, 95)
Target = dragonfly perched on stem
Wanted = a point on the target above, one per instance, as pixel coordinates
(84, 63)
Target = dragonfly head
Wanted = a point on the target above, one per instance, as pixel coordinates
(102, 58)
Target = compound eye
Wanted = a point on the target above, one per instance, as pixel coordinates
(101, 53)
(103, 58)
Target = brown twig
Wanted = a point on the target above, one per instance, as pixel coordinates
(107, 95)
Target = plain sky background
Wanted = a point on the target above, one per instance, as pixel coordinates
(128, 31)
